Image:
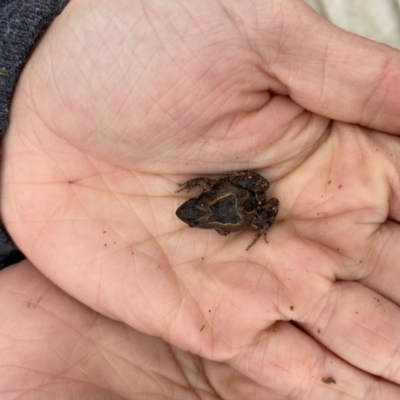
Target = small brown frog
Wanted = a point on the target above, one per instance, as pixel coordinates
(230, 204)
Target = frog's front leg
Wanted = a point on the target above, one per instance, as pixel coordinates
(205, 183)
(250, 181)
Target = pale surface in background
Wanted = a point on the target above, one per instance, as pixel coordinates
(378, 20)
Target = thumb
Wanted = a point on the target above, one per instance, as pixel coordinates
(330, 71)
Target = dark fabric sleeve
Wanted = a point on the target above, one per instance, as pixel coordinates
(21, 24)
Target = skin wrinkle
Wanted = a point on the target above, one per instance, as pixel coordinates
(211, 105)
(172, 58)
(221, 86)
(121, 357)
(193, 371)
(148, 298)
(207, 323)
(281, 289)
(392, 370)
(330, 293)
(377, 243)
(385, 75)
(149, 373)
(394, 184)
(324, 73)
(33, 141)
(311, 326)
(236, 21)
(368, 353)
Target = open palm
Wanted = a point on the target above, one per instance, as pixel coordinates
(118, 105)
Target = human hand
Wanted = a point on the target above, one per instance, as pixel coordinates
(118, 105)
(52, 344)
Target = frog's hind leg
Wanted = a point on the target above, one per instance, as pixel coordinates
(265, 237)
(256, 237)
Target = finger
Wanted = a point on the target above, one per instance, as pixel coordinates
(361, 327)
(328, 70)
(292, 364)
(353, 321)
